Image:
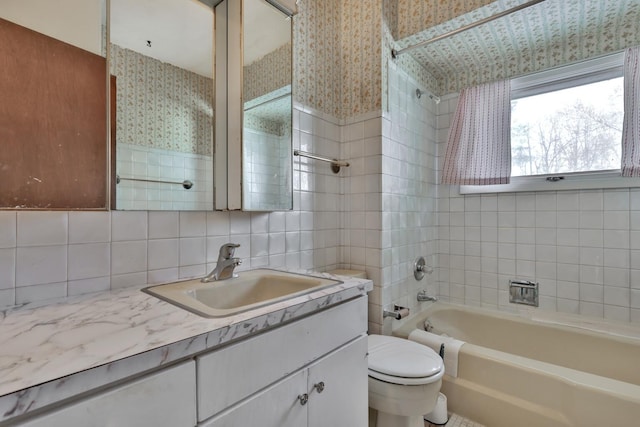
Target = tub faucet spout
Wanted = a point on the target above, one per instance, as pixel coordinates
(225, 265)
(422, 296)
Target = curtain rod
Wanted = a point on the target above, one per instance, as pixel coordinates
(395, 53)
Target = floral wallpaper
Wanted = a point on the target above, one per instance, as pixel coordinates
(264, 125)
(159, 105)
(338, 51)
(317, 56)
(342, 49)
(361, 52)
(407, 63)
(546, 35)
(267, 74)
(269, 113)
(416, 15)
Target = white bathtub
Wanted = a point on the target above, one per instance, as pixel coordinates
(518, 371)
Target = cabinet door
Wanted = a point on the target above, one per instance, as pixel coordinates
(277, 406)
(342, 377)
(166, 398)
(235, 372)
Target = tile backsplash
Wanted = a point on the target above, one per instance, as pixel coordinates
(55, 254)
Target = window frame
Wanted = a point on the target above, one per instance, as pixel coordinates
(577, 74)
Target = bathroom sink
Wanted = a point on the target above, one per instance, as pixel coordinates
(251, 289)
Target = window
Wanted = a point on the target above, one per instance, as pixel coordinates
(566, 129)
(578, 129)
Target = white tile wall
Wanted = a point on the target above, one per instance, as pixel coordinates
(579, 245)
(151, 163)
(265, 181)
(47, 255)
(389, 217)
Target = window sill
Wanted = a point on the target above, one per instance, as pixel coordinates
(571, 181)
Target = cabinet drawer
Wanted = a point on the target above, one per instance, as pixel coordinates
(166, 398)
(235, 372)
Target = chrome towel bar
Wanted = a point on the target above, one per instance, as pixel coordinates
(186, 184)
(335, 164)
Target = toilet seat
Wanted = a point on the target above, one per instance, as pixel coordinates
(399, 361)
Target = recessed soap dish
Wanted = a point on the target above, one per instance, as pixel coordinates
(523, 292)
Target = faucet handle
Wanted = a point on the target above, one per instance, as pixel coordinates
(227, 250)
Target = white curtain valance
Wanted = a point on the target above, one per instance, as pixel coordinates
(479, 143)
(631, 123)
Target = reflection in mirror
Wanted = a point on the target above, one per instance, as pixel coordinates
(162, 59)
(53, 116)
(266, 136)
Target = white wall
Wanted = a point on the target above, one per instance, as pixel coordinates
(84, 20)
(582, 246)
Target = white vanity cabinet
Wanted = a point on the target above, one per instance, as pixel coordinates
(263, 380)
(311, 371)
(330, 392)
(165, 398)
(338, 387)
(276, 406)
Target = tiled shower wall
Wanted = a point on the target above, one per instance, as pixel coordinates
(46, 255)
(583, 247)
(393, 201)
(362, 201)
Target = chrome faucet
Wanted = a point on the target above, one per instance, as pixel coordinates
(422, 296)
(225, 265)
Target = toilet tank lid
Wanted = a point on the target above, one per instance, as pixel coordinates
(350, 273)
(402, 358)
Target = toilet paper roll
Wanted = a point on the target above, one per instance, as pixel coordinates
(404, 312)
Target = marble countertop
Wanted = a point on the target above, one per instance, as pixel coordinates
(56, 351)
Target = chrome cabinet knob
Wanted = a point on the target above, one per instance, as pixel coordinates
(303, 398)
(319, 387)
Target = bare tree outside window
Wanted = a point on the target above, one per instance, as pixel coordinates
(578, 129)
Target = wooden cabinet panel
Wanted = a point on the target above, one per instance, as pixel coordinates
(53, 123)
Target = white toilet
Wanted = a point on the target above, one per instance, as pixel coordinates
(404, 381)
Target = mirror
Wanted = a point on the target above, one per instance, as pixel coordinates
(253, 53)
(266, 131)
(53, 115)
(161, 56)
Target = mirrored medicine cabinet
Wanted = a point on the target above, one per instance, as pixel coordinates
(172, 64)
(254, 52)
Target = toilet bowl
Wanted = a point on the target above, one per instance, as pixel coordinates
(404, 381)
